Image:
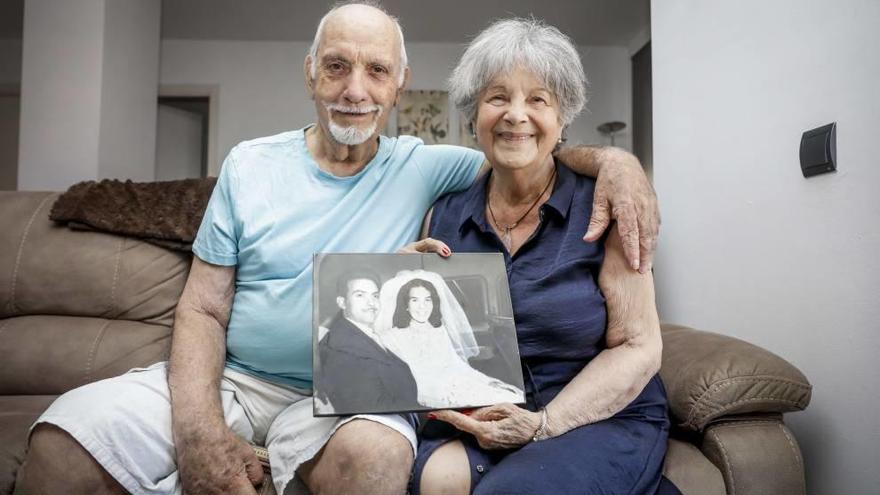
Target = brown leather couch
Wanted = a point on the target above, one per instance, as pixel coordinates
(79, 306)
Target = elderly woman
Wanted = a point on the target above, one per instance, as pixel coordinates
(589, 338)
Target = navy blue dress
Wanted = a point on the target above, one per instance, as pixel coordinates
(560, 322)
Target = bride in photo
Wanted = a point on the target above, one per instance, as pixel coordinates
(421, 321)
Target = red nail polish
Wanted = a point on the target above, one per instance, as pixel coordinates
(432, 416)
(466, 412)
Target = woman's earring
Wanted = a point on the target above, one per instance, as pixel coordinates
(559, 142)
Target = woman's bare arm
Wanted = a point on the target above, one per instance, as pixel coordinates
(616, 376)
(606, 385)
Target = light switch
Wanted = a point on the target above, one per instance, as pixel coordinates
(819, 150)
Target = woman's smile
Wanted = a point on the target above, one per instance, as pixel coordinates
(514, 139)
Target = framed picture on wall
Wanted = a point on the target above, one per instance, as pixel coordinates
(412, 332)
(424, 114)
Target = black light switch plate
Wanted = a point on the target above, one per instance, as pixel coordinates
(819, 150)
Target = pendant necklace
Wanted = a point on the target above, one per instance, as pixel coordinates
(506, 236)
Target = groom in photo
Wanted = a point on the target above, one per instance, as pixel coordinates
(355, 372)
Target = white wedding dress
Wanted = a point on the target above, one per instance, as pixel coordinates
(437, 356)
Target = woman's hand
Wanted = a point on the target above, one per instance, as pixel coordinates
(503, 426)
(427, 245)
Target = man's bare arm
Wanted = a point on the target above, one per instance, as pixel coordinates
(624, 194)
(211, 459)
(198, 346)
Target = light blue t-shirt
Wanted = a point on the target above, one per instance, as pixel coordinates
(273, 208)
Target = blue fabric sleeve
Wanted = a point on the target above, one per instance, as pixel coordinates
(447, 168)
(217, 239)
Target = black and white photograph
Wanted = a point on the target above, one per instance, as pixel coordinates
(412, 332)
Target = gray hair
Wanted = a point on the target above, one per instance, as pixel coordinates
(313, 50)
(527, 43)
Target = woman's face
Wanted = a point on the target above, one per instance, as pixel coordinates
(420, 304)
(517, 121)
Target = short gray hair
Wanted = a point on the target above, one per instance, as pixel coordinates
(527, 43)
(313, 50)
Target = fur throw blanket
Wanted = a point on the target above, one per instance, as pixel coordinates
(164, 213)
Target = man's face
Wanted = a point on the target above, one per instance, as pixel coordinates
(361, 301)
(356, 74)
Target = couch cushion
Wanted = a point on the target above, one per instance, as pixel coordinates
(708, 375)
(690, 470)
(53, 354)
(46, 268)
(17, 413)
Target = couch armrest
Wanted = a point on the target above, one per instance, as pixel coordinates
(756, 456)
(708, 376)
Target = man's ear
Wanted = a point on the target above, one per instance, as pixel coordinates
(406, 76)
(340, 301)
(307, 72)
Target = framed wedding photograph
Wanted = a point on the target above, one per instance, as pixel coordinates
(412, 332)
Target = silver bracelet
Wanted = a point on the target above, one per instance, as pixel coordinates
(542, 429)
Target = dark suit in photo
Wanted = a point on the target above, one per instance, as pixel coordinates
(357, 375)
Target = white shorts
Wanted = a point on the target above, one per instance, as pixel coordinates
(125, 424)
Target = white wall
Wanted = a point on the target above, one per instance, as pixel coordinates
(130, 89)
(749, 247)
(261, 87)
(89, 88)
(62, 59)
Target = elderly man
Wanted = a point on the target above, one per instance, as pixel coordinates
(240, 366)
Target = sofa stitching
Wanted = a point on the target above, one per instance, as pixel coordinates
(115, 276)
(708, 411)
(726, 459)
(93, 350)
(24, 236)
(794, 449)
(719, 406)
(740, 424)
(699, 403)
(730, 381)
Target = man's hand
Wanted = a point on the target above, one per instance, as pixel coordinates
(503, 426)
(427, 245)
(624, 194)
(216, 462)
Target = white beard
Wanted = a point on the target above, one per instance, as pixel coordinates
(351, 136)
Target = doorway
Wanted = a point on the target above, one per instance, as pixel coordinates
(643, 127)
(182, 124)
